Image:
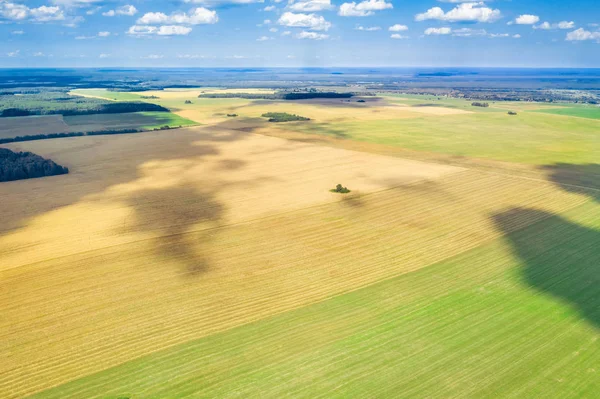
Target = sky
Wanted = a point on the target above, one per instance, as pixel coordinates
(299, 33)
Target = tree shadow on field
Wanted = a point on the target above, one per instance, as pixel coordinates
(560, 258)
(171, 214)
(575, 178)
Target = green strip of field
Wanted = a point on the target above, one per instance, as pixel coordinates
(591, 112)
(107, 94)
(529, 137)
(133, 120)
(518, 317)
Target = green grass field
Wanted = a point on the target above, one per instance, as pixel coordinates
(133, 120)
(517, 317)
(107, 94)
(529, 137)
(582, 111)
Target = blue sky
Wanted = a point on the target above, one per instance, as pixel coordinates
(207, 33)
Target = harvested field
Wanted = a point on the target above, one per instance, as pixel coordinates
(191, 232)
(31, 125)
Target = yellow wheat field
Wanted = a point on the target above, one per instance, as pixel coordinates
(159, 238)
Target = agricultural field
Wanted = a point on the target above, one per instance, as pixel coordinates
(132, 120)
(28, 125)
(214, 261)
(582, 111)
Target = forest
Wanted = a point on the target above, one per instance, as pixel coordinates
(26, 165)
(57, 101)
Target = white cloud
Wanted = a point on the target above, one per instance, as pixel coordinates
(164, 30)
(465, 12)
(273, 30)
(93, 11)
(310, 5)
(128, 10)
(566, 25)
(364, 8)
(263, 39)
(468, 32)
(13, 53)
(196, 16)
(19, 12)
(398, 36)
(269, 8)
(173, 30)
(582, 34)
(267, 22)
(398, 28)
(309, 21)
(311, 35)
(368, 28)
(17, 32)
(104, 55)
(103, 34)
(527, 19)
(153, 57)
(38, 54)
(215, 3)
(517, 36)
(286, 33)
(438, 31)
(560, 25)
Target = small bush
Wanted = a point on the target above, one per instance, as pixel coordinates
(477, 104)
(512, 113)
(340, 189)
(361, 101)
(232, 115)
(188, 102)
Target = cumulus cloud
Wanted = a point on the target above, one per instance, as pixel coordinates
(398, 28)
(582, 34)
(103, 34)
(263, 39)
(310, 5)
(214, 3)
(368, 28)
(468, 32)
(560, 25)
(398, 36)
(13, 53)
(311, 35)
(308, 21)
(128, 10)
(269, 8)
(464, 12)
(364, 8)
(438, 31)
(196, 16)
(164, 30)
(527, 19)
(20, 12)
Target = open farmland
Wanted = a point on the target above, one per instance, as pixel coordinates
(213, 261)
(132, 120)
(29, 125)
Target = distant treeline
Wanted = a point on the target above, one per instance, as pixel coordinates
(34, 137)
(478, 104)
(279, 96)
(59, 102)
(26, 165)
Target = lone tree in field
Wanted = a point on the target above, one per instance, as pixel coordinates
(340, 189)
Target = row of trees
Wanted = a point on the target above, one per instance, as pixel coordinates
(34, 137)
(304, 95)
(26, 165)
